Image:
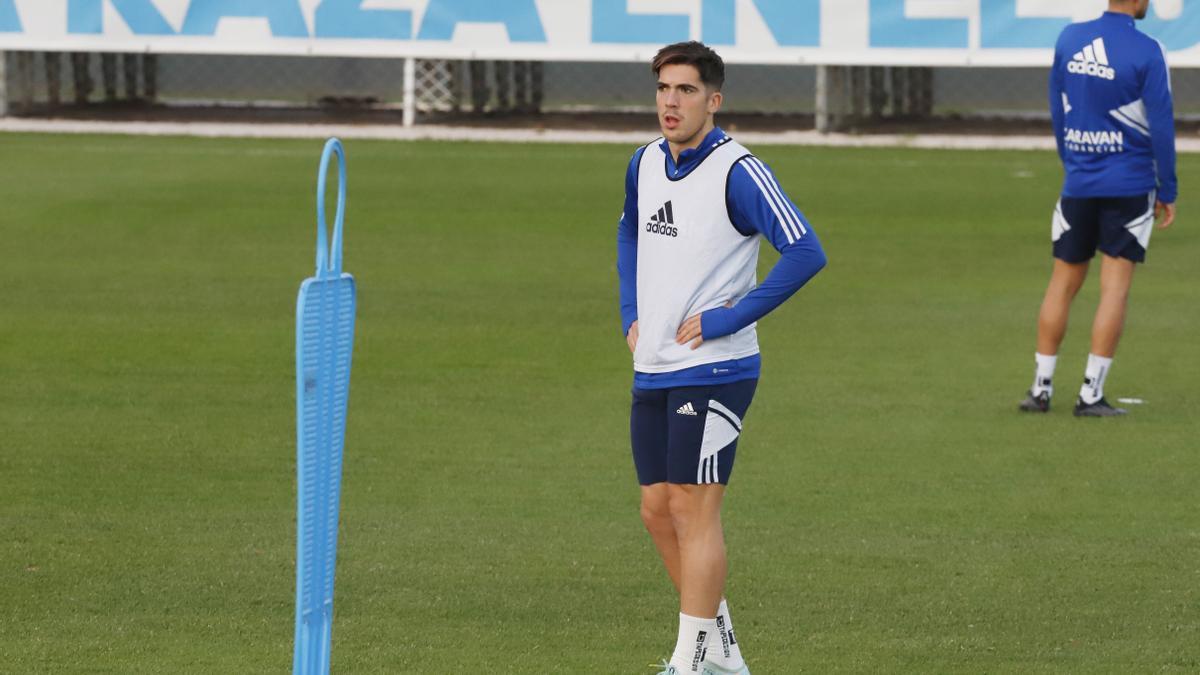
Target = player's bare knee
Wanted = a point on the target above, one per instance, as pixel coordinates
(656, 514)
(1069, 280)
(684, 507)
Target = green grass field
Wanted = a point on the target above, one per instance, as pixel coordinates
(890, 511)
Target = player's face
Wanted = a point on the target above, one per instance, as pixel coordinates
(1140, 7)
(685, 104)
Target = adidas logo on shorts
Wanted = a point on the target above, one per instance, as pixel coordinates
(686, 409)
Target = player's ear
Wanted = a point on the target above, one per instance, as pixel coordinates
(715, 99)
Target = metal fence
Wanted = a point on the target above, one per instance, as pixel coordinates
(85, 84)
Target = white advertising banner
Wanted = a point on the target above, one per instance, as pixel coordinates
(848, 32)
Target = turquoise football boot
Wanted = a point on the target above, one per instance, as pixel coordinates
(705, 669)
(667, 668)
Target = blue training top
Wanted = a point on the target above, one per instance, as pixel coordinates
(752, 211)
(1110, 99)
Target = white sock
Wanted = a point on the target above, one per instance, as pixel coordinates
(1094, 377)
(694, 634)
(1044, 377)
(723, 648)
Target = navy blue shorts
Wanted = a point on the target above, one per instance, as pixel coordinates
(1117, 226)
(688, 435)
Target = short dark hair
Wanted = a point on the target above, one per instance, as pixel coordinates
(696, 54)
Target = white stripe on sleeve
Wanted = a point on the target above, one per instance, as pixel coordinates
(786, 205)
(770, 202)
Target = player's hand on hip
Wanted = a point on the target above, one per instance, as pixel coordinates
(690, 331)
(632, 336)
(1165, 212)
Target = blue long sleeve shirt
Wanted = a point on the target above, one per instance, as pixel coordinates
(757, 205)
(1110, 100)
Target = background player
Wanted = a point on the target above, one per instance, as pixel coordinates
(1110, 99)
(687, 253)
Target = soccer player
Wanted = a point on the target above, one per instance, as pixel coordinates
(696, 203)
(1110, 99)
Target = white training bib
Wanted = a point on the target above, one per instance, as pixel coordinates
(690, 259)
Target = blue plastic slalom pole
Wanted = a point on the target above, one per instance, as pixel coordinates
(324, 342)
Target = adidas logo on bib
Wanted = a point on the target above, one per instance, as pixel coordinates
(1092, 60)
(663, 222)
(686, 409)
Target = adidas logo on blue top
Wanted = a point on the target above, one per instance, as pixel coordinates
(1092, 60)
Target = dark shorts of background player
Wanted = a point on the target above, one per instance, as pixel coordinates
(688, 435)
(1108, 224)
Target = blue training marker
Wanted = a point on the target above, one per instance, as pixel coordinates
(324, 341)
